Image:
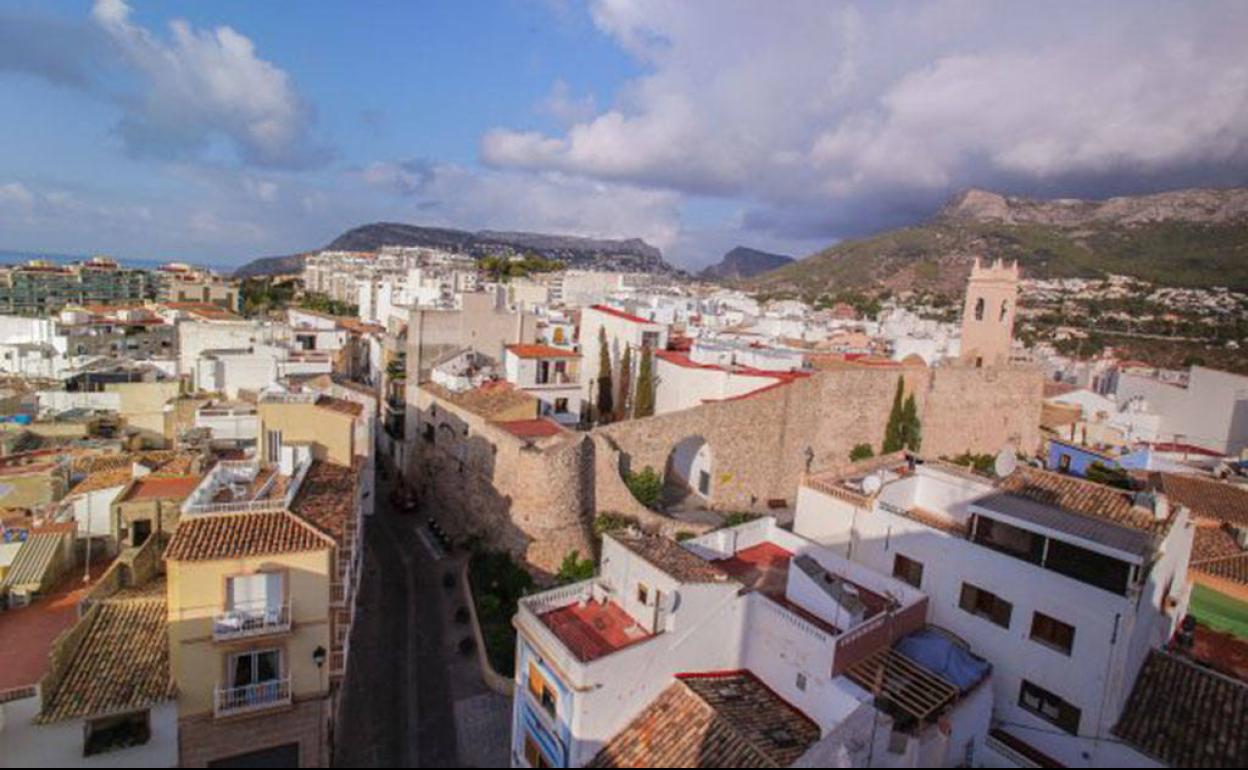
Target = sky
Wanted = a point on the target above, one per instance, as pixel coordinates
(219, 132)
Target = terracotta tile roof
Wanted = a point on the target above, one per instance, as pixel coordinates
(623, 315)
(670, 557)
(234, 535)
(1185, 715)
(1076, 495)
(1232, 568)
(716, 720)
(1214, 542)
(1206, 498)
(113, 477)
(121, 664)
(541, 351)
(162, 488)
(326, 499)
(488, 400)
(539, 428)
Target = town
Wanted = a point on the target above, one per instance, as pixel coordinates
(409, 507)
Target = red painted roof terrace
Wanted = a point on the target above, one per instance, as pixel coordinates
(594, 630)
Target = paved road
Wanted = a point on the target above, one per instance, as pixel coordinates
(411, 699)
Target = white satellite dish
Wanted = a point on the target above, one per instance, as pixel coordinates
(1005, 464)
(872, 484)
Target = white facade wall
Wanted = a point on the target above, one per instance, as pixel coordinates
(25, 744)
(683, 387)
(1211, 412)
(60, 400)
(1113, 633)
(620, 332)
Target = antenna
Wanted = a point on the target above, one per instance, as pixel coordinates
(1005, 464)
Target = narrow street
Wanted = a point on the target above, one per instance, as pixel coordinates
(411, 699)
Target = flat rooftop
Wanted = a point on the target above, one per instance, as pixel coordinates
(594, 630)
(765, 568)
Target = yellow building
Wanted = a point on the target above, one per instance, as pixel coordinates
(325, 423)
(261, 587)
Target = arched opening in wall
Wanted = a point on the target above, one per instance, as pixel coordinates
(687, 474)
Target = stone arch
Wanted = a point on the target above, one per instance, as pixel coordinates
(689, 470)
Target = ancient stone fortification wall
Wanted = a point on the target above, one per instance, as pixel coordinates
(533, 503)
(760, 444)
(540, 502)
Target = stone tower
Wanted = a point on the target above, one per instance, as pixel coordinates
(988, 317)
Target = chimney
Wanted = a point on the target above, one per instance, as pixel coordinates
(1161, 507)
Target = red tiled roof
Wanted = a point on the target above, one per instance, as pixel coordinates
(1206, 498)
(1186, 449)
(712, 720)
(538, 428)
(162, 488)
(541, 351)
(27, 633)
(594, 630)
(326, 499)
(232, 536)
(622, 315)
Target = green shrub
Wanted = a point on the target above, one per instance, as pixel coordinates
(646, 486)
(610, 522)
(861, 452)
(574, 569)
(737, 518)
(498, 583)
(684, 535)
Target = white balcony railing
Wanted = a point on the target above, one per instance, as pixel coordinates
(243, 622)
(228, 701)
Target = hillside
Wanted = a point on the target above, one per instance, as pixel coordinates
(631, 254)
(743, 262)
(1183, 238)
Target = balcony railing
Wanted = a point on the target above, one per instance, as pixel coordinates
(229, 701)
(244, 622)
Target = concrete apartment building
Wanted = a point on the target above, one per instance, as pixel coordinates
(1066, 587)
(178, 282)
(1210, 411)
(40, 288)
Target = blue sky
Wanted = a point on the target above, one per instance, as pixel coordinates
(227, 130)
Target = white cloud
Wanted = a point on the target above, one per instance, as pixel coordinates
(815, 112)
(202, 85)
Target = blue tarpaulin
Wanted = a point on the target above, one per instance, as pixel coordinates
(940, 655)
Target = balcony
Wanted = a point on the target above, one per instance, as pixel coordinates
(247, 622)
(232, 701)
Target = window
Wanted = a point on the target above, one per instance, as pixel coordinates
(1009, 539)
(908, 570)
(1052, 632)
(986, 605)
(643, 593)
(561, 406)
(533, 755)
(255, 667)
(273, 444)
(979, 309)
(541, 690)
(1063, 464)
(117, 732)
(801, 682)
(1049, 707)
(254, 594)
(704, 483)
(1088, 567)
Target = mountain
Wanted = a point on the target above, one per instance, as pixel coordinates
(1196, 237)
(630, 255)
(743, 262)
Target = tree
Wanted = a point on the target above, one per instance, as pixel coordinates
(626, 383)
(861, 452)
(643, 406)
(574, 569)
(606, 402)
(912, 429)
(894, 432)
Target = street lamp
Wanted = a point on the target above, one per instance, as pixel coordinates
(318, 656)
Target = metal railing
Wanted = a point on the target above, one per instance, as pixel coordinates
(247, 621)
(228, 701)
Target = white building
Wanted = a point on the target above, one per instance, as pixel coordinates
(622, 330)
(1211, 411)
(683, 382)
(551, 375)
(746, 647)
(1063, 585)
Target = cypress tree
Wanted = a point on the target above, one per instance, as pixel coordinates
(894, 432)
(626, 383)
(644, 405)
(606, 401)
(913, 429)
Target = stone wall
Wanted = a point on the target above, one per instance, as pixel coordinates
(538, 499)
(202, 739)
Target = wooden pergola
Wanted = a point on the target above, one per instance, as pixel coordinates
(890, 675)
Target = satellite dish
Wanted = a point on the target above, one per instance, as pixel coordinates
(1005, 464)
(872, 484)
